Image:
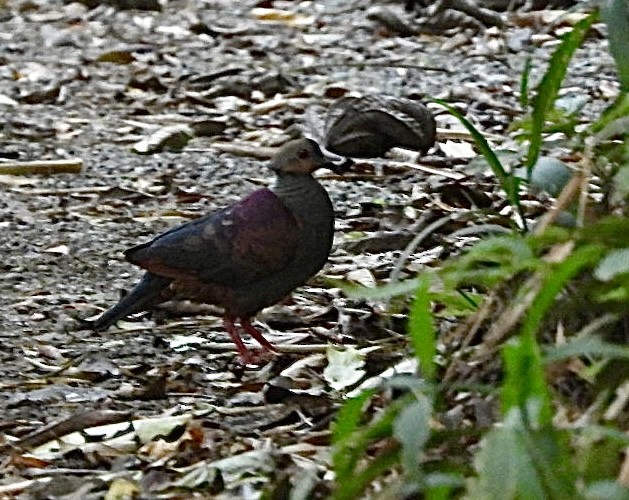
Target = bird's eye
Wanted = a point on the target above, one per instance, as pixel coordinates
(303, 154)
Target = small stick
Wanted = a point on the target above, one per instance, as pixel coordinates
(422, 168)
(73, 423)
(281, 348)
(45, 167)
(65, 191)
(244, 149)
(421, 236)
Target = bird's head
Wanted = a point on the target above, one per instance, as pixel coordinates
(300, 157)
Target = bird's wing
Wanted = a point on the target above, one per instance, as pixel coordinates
(237, 245)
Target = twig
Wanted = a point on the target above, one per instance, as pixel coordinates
(372, 64)
(216, 346)
(469, 328)
(410, 248)
(45, 167)
(65, 191)
(504, 325)
(422, 168)
(444, 134)
(72, 423)
(244, 149)
(586, 172)
(565, 198)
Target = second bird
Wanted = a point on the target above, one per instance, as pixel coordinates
(245, 257)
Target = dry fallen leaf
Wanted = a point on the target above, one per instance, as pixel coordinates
(286, 17)
(344, 367)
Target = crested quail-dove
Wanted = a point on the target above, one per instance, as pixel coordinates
(368, 126)
(245, 257)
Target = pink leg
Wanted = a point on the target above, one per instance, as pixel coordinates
(245, 355)
(251, 330)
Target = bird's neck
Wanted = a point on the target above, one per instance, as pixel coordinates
(294, 185)
(303, 196)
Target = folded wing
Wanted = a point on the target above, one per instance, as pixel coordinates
(235, 246)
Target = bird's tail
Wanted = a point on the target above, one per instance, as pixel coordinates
(142, 296)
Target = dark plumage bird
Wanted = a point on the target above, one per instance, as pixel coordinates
(244, 257)
(368, 126)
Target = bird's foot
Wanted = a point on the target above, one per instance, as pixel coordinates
(247, 356)
(255, 357)
(256, 334)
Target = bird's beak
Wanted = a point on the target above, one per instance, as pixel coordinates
(338, 164)
(341, 167)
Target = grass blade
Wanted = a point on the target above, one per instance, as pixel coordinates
(548, 88)
(421, 329)
(509, 183)
(615, 13)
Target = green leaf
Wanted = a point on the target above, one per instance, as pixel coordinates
(550, 453)
(439, 485)
(456, 303)
(351, 449)
(615, 13)
(490, 261)
(599, 459)
(585, 346)
(505, 470)
(548, 89)
(524, 82)
(617, 128)
(617, 110)
(408, 383)
(616, 262)
(621, 183)
(349, 416)
(351, 440)
(606, 490)
(516, 463)
(348, 438)
(421, 330)
(412, 430)
(554, 282)
(352, 487)
(611, 231)
(525, 388)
